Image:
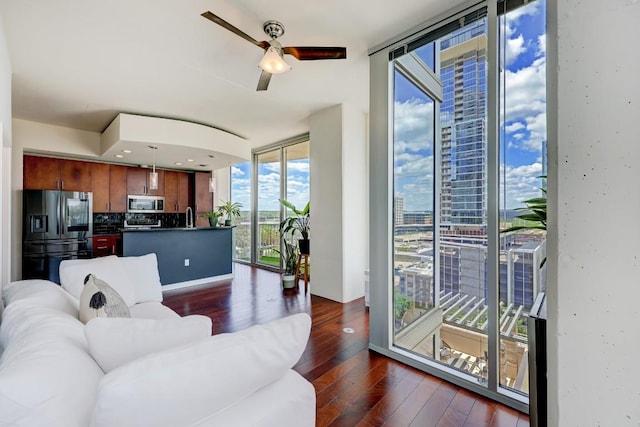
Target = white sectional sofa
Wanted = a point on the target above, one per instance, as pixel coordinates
(154, 369)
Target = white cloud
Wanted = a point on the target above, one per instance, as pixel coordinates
(236, 172)
(298, 166)
(514, 48)
(521, 183)
(513, 127)
(542, 45)
(413, 125)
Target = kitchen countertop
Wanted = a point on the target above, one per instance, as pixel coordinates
(177, 228)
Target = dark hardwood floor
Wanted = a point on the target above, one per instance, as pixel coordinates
(354, 386)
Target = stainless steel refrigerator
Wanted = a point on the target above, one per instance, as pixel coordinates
(57, 225)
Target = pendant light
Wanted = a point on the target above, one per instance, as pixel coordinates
(212, 183)
(153, 176)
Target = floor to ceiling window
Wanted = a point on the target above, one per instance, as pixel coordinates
(269, 178)
(241, 193)
(523, 139)
(279, 171)
(467, 117)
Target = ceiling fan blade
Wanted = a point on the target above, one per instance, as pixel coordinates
(309, 53)
(265, 78)
(215, 18)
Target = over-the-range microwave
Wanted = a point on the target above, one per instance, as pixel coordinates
(145, 204)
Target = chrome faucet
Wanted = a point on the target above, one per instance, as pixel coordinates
(189, 217)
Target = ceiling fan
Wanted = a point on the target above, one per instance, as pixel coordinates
(273, 61)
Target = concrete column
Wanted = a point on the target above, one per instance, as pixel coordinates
(593, 241)
(339, 208)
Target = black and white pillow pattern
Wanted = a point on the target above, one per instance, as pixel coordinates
(98, 299)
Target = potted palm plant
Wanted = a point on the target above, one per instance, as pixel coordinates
(229, 210)
(299, 222)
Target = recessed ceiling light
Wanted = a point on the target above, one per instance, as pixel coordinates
(189, 160)
(211, 156)
(126, 151)
(178, 163)
(119, 156)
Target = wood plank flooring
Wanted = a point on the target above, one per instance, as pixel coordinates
(354, 386)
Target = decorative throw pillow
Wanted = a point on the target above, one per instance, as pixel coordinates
(114, 342)
(98, 299)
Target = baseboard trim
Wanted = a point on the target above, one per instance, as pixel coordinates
(196, 282)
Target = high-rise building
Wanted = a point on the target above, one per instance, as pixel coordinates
(463, 66)
(399, 209)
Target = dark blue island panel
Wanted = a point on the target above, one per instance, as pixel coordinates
(207, 251)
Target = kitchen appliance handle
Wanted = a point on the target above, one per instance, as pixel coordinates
(58, 228)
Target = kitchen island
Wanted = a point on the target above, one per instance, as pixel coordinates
(186, 256)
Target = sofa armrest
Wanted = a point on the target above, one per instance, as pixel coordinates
(189, 384)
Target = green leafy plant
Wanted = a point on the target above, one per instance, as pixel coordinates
(289, 257)
(213, 217)
(300, 221)
(535, 215)
(229, 209)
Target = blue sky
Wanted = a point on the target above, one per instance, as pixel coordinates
(523, 118)
(269, 184)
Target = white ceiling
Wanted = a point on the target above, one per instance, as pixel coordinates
(77, 63)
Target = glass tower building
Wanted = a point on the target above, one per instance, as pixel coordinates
(463, 65)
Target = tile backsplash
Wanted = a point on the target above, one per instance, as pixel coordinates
(111, 223)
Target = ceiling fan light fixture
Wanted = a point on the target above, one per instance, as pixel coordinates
(273, 62)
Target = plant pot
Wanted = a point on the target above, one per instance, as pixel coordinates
(303, 245)
(288, 281)
(213, 222)
(227, 223)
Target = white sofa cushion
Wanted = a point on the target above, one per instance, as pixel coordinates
(116, 341)
(47, 377)
(143, 275)
(265, 407)
(185, 385)
(109, 269)
(42, 292)
(152, 310)
(98, 299)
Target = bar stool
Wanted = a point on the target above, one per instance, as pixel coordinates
(305, 274)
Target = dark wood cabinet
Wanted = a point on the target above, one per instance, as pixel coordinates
(109, 187)
(100, 187)
(46, 173)
(176, 191)
(75, 175)
(41, 173)
(138, 182)
(203, 198)
(118, 188)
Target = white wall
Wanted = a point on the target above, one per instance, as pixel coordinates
(5, 159)
(338, 203)
(594, 231)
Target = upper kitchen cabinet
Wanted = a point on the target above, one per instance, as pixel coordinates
(109, 187)
(138, 182)
(176, 191)
(118, 188)
(45, 173)
(204, 198)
